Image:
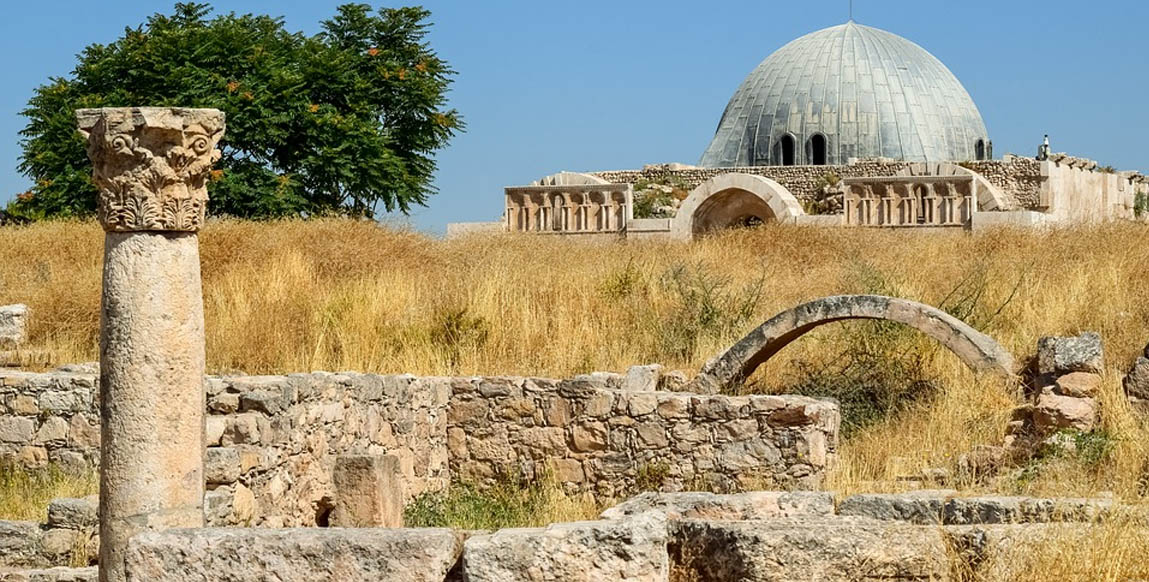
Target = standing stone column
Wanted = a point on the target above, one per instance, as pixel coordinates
(151, 166)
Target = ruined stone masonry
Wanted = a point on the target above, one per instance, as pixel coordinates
(654, 537)
(273, 440)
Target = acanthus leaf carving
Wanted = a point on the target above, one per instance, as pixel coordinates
(151, 165)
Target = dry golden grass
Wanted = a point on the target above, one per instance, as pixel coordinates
(341, 295)
(25, 495)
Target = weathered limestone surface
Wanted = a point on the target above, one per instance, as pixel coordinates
(942, 507)
(741, 506)
(152, 398)
(293, 555)
(368, 491)
(58, 574)
(977, 350)
(1057, 356)
(25, 544)
(13, 325)
(789, 550)
(632, 549)
(151, 167)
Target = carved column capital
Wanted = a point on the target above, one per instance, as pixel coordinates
(151, 165)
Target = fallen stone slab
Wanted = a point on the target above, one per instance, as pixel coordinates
(292, 555)
(1007, 510)
(919, 507)
(801, 550)
(941, 507)
(631, 549)
(52, 575)
(741, 506)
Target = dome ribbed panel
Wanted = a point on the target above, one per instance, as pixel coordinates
(870, 92)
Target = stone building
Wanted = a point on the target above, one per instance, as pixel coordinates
(847, 126)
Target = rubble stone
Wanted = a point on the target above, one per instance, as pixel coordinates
(1057, 356)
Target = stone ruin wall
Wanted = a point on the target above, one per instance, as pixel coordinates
(1019, 178)
(272, 440)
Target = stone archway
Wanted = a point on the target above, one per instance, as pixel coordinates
(733, 200)
(978, 351)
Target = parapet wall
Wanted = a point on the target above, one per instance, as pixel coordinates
(802, 181)
(272, 440)
(1070, 193)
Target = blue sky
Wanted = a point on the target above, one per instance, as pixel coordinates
(591, 84)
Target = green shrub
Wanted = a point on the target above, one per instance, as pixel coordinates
(706, 307)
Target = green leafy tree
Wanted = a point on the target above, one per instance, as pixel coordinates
(339, 122)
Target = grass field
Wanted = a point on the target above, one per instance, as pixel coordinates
(341, 295)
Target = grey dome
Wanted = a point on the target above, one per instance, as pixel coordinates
(850, 91)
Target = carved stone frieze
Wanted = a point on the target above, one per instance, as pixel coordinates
(151, 165)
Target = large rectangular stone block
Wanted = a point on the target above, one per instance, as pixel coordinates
(292, 555)
(368, 491)
(789, 550)
(631, 549)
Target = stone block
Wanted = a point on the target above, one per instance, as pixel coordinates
(919, 507)
(13, 325)
(17, 430)
(642, 378)
(1054, 413)
(83, 434)
(214, 427)
(24, 405)
(631, 549)
(800, 550)
(70, 513)
(641, 403)
(224, 403)
(221, 465)
(588, 437)
(20, 544)
(293, 555)
(1137, 381)
(742, 506)
(1077, 385)
(673, 381)
(54, 429)
(265, 401)
(1057, 356)
(369, 491)
(242, 429)
(1014, 510)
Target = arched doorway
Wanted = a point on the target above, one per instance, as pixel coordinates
(816, 150)
(732, 201)
(732, 208)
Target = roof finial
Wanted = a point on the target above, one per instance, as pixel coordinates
(851, 10)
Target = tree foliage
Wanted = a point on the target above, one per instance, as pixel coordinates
(338, 122)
